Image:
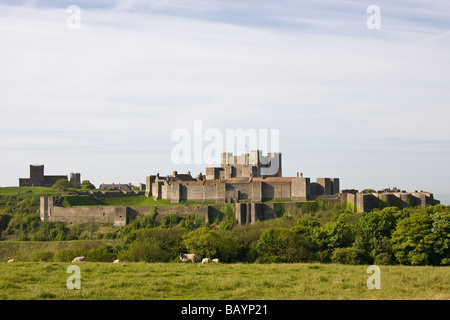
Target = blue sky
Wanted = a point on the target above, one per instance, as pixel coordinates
(368, 106)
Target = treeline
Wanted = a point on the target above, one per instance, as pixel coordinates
(325, 234)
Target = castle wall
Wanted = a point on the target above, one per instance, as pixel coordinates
(276, 191)
(300, 189)
(210, 192)
(116, 215)
(195, 193)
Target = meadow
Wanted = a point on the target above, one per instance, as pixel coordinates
(178, 281)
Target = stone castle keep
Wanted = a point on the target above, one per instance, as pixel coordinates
(251, 183)
(38, 179)
(250, 176)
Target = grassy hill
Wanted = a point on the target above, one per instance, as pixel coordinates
(47, 280)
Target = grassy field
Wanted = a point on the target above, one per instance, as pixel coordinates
(8, 191)
(168, 281)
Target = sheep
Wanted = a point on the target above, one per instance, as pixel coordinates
(188, 257)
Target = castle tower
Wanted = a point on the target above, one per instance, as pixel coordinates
(37, 175)
(75, 180)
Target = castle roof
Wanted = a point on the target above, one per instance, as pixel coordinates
(274, 179)
(238, 180)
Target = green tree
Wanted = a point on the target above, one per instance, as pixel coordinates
(374, 231)
(282, 245)
(101, 254)
(86, 184)
(349, 255)
(153, 245)
(335, 234)
(441, 229)
(211, 244)
(413, 240)
(61, 185)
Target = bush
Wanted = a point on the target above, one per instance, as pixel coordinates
(383, 259)
(144, 251)
(169, 220)
(101, 254)
(67, 255)
(153, 245)
(227, 224)
(211, 244)
(348, 256)
(45, 256)
(282, 245)
(86, 184)
(193, 221)
(61, 185)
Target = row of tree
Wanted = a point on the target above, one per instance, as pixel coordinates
(413, 236)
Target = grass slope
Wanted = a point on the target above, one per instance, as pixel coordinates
(223, 281)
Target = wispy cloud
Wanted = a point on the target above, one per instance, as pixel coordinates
(137, 70)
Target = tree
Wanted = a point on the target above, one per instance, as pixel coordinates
(61, 185)
(441, 229)
(153, 245)
(413, 240)
(86, 184)
(374, 231)
(282, 245)
(335, 234)
(211, 244)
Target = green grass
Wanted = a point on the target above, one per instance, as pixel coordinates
(47, 280)
(29, 250)
(9, 191)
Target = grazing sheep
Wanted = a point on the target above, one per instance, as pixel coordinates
(10, 260)
(78, 259)
(205, 260)
(215, 260)
(188, 257)
(116, 261)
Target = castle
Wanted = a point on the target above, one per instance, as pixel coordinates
(252, 183)
(250, 176)
(38, 179)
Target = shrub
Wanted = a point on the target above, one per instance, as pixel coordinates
(308, 206)
(282, 245)
(348, 256)
(227, 224)
(383, 259)
(67, 255)
(144, 251)
(153, 245)
(101, 254)
(279, 209)
(44, 256)
(211, 244)
(169, 220)
(61, 185)
(193, 221)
